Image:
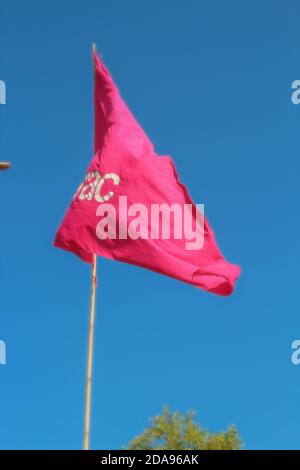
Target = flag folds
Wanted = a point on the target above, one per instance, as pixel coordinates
(131, 206)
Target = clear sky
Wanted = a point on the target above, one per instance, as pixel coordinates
(211, 84)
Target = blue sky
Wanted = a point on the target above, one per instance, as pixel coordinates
(211, 84)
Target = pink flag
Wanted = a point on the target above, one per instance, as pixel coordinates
(131, 206)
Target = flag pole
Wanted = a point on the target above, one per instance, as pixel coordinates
(4, 166)
(87, 415)
(88, 386)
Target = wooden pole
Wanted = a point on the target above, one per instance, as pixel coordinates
(88, 389)
(88, 386)
(4, 166)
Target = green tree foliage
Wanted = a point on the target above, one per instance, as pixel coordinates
(177, 431)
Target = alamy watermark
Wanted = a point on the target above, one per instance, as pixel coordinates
(136, 221)
(2, 92)
(295, 357)
(2, 353)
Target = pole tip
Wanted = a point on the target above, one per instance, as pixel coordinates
(4, 165)
(94, 47)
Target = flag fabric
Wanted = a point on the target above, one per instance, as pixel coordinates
(111, 213)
